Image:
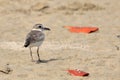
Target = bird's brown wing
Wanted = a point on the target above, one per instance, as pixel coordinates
(34, 36)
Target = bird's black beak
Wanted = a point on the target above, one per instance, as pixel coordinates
(46, 28)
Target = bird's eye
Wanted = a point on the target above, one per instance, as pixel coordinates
(39, 26)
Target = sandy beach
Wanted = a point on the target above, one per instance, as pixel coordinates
(96, 53)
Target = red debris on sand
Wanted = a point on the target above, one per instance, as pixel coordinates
(81, 29)
(78, 73)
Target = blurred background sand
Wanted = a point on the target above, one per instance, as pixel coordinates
(96, 53)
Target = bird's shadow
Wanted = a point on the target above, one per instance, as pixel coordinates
(49, 60)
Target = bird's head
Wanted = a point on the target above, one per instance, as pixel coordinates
(40, 27)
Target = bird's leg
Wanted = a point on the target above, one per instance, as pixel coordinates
(38, 55)
(31, 54)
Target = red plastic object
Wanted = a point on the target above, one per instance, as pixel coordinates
(78, 73)
(81, 29)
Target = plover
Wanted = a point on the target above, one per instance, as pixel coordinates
(35, 38)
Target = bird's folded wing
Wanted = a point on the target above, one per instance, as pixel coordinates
(34, 36)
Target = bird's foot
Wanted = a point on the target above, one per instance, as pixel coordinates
(39, 61)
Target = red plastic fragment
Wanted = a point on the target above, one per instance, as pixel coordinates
(81, 29)
(78, 73)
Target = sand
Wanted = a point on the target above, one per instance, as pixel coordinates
(96, 53)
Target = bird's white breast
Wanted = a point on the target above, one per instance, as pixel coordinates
(36, 44)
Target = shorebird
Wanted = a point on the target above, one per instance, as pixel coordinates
(35, 38)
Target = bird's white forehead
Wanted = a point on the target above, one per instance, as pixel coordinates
(36, 30)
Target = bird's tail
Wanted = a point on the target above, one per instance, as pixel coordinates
(27, 43)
